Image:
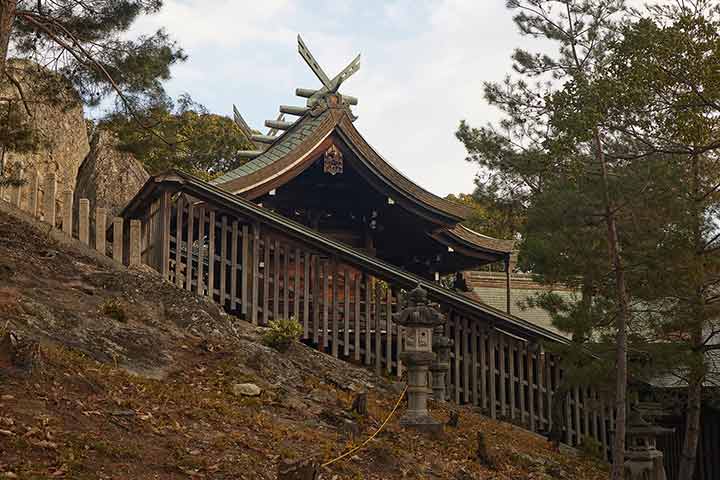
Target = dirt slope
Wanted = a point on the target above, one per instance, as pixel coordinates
(151, 395)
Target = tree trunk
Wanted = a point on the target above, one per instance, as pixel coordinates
(615, 257)
(696, 375)
(7, 17)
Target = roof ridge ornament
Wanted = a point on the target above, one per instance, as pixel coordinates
(327, 96)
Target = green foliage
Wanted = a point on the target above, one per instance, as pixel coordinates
(186, 137)
(592, 448)
(113, 308)
(282, 333)
(492, 215)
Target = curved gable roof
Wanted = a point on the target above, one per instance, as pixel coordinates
(293, 146)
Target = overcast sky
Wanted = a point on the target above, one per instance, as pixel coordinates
(423, 64)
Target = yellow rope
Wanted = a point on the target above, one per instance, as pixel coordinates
(355, 449)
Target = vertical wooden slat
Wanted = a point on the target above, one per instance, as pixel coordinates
(586, 413)
(67, 217)
(135, 227)
(118, 239)
(549, 391)
(398, 340)
(346, 313)
(542, 417)
(567, 414)
(356, 336)
(502, 374)
(595, 416)
(190, 241)
(388, 330)
(603, 426)
(166, 211)
(49, 193)
(178, 242)
(255, 273)
(334, 306)
(245, 271)
(576, 395)
(522, 361)
(33, 186)
(266, 280)
(368, 314)
(378, 331)
(100, 227)
(492, 373)
(483, 369)
(276, 280)
(306, 295)
(316, 299)
(474, 361)
(211, 256)
(234, 264)
(296, 288)
(458, 350)
(200, 286)
(325, 304)
(84, 221)
(512, 344)
(531, 389)
(16, 192)
(223, 259)
(286, 281)
(466, 358)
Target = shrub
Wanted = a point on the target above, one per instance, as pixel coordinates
(282, 333)
(592, 448)
(113, 308)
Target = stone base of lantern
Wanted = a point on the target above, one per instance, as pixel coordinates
(417, 415)
(422, 423)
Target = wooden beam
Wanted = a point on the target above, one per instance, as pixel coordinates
(346, 313)
(200, 285)
(211, 257)
(245, 270)
(255, 273)
(190, 241)
(223, 260)
(118, 239)
(178, 242)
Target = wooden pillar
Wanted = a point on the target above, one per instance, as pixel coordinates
(255, 272)
(276, 280)
(334, 306)
(356, 337)
(33, 186)
(541, 387)
(378, 331)
(388, 329)
(190, 241)
(458, 352)
(178, 243)
(266, 279)
(118, 239)
(522, 362)
(135, 227)
(346, 313)
(531, 387)
(223, 259)
(286, 280)
(502, 374)
(296, 289)
(245, 270)
(234, 265)
(165, 212)
(49, 192)
(84, 221)
(483, 368)
(306, 295)
(474, 360)
(368, 314)
(465, 358)
(316, 299)
(507, 283)
(492, 373)
(200, 285)
(100, 226)
(512, 344)
(211, 256)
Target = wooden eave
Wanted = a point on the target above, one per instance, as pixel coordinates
(374, 169)
(175, 181)
(473, 244)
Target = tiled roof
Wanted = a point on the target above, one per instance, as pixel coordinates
(480, 240)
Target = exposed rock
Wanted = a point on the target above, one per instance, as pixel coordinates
(56, 118)
(246, 389)
(108, 177)
(307, 469)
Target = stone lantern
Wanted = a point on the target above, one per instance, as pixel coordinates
(441, 364)
(643, 461)
(419, 319)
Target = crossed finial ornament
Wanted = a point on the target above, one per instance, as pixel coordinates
(330, 86)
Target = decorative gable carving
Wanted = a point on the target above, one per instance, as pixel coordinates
(333, 161)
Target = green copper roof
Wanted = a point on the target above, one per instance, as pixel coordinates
(284, 144)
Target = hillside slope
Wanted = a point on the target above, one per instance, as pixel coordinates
(151, 393)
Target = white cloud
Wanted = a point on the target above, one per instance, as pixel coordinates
(422, 68)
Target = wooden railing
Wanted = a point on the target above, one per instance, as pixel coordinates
(260, 271)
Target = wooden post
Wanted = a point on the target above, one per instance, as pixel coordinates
(223, 260)
(522, 358)
(306, 295)
(541, 385)
(316, 299)
(456, 363)
(483, 369)
(135, 227)
(276, 281)
(211, 257)
(511, 360)
(245, 270)
(118, 239)
(255, 272)
(84, 221)
(466, 336)
(33, 186)
(200, 286)
(16, 191)
(346, 313)
(502, 374)
(165, 212)
(326, 304)
(67, 221)
(368, 314)
(507, 283)
(178, 242)
(356, 337)
(334, 305)
(576, 395)
(531, 388)
(474, 361)
(190, 241)
(296, 288)
(286, 280)
(266, 279)
(549, 391)
(492, 373)
(234, 265)
(388, 328)
(49, 209)
(100, 227)
(378, 331)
